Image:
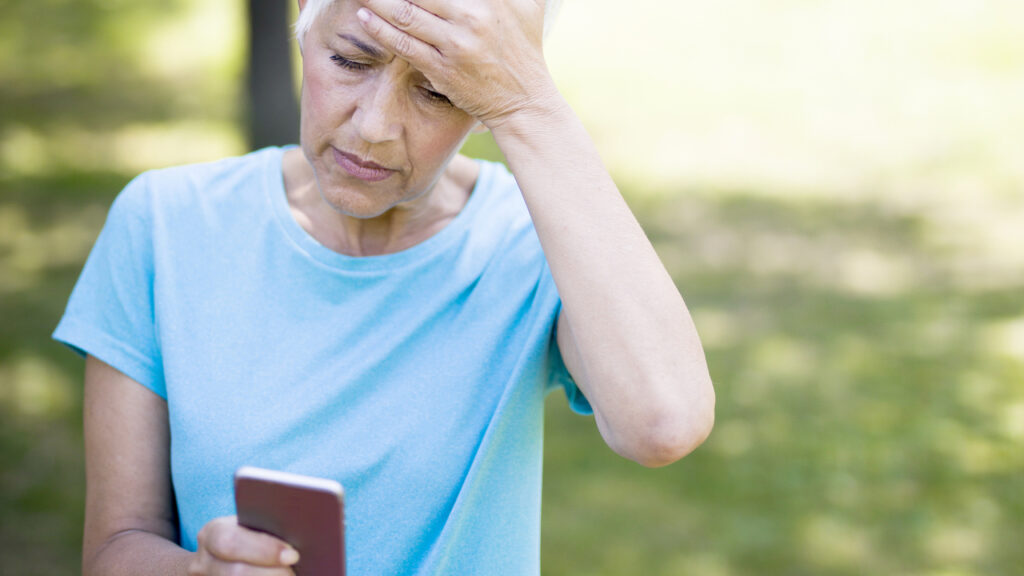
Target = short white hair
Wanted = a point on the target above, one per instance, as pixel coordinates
(314, 8)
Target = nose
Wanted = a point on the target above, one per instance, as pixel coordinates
(378, 115)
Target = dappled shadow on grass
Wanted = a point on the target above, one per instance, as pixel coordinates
(868, 406)
(869, 398)
(47, 226)
(84, 64)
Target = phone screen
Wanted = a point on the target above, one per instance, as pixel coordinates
(305, 511)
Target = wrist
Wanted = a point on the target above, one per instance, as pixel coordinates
(544, 106)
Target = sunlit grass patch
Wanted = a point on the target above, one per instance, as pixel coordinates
(831, 97)
(835, 186)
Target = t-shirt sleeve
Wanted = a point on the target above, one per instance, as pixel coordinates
(560, 376)
(110, 314)
(559, 373)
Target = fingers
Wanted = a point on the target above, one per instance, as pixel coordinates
(228, 542)
(415, 17)
(404, 28)
(237, 569)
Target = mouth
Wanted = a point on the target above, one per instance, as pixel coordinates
(359, 168)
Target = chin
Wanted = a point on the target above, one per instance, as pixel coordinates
(357, 204)
(362, 208)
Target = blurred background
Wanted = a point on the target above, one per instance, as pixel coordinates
(837, 187)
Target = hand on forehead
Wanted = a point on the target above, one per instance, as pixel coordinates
(485, 56)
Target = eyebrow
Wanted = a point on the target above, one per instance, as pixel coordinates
(371, 51)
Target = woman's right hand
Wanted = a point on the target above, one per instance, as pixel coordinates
(227, 548)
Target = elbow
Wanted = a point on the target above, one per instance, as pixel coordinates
(671, 444)
(669, 435)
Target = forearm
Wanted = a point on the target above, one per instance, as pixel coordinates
(136, 553)
(633, 347)
(638, 358)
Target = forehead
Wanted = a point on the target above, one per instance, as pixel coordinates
(337, 14)
(339, 20)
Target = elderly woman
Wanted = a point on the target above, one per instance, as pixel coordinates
(374, 308)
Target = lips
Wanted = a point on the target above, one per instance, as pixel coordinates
(361, 169)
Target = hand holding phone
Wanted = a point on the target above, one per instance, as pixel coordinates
(305, 511)
(223, 545)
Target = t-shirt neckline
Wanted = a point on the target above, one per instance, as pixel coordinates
(312, 248)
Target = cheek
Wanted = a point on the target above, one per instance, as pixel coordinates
(440, 140)
(319, 103)
(313, 102)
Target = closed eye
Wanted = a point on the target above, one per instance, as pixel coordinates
(348, 64)
(436, 96)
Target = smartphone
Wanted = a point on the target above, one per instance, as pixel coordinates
(305, 511)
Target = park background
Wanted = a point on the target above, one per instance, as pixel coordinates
(837, 187)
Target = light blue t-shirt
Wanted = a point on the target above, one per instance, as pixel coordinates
(415, 379)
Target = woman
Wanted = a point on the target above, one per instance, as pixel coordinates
(373, 308)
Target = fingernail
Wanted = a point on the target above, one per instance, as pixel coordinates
(363, 14)
(289, 556)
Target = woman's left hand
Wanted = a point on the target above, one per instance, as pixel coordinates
(486, 56)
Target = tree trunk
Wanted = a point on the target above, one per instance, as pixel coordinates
(273, 112)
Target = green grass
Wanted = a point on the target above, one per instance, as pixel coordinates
(835, 187)
(48, 227)
(859, 431)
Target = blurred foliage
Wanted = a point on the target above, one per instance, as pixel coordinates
(867, 344)
(863, 426)
(80, 62)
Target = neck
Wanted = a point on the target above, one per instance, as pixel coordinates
(397, 229)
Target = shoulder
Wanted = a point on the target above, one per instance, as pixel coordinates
(190, 185)
(495, 177)
(499, 195)
(501, 220)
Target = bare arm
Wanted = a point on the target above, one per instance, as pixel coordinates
(130, 524)
(624, 331)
